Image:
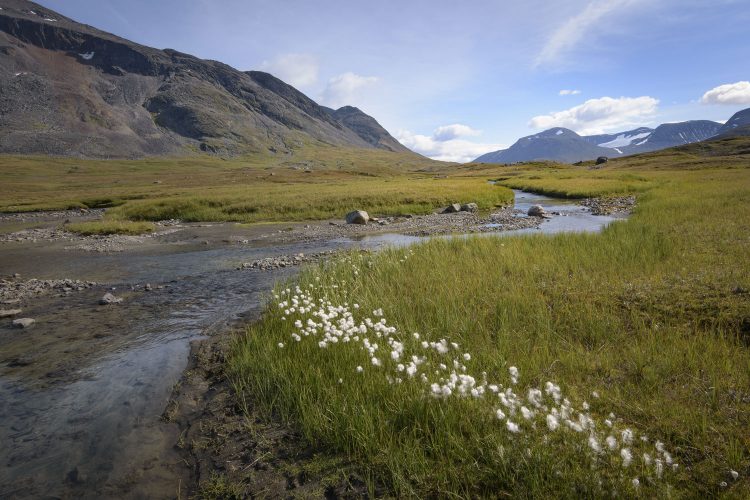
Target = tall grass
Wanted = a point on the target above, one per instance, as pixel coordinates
(651, 314)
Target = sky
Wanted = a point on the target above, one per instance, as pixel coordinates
(453, 80)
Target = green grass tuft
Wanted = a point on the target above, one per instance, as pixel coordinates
(104, 227)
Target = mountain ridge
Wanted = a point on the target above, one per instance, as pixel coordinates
(570, 147)
(70, 89)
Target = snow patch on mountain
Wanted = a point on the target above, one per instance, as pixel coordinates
(623, 140)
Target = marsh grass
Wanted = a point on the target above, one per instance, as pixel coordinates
(106, 226)
(315, 183)
(651, 314)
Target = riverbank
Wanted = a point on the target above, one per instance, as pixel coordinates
(84, 369)
(621, 358)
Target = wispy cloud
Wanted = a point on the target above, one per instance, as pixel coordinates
(730, 93)
(569, 92)
(446, 143)
(578, 28)
(346, 89)
(596, 116)
(298, 70)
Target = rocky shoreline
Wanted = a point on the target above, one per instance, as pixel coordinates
(505, 219)
(610, 205)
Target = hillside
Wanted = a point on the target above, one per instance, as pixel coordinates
(557, 144)
(70, 89)
(739, 122)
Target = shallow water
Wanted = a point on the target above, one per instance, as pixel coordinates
(81, 392)
(573, 218)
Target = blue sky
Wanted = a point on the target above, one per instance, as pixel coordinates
(452, 79)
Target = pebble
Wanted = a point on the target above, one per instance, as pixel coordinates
(610, 205)
(13, 291)
(108, 299)
(7, 313)
(23, 322)
(283, 261)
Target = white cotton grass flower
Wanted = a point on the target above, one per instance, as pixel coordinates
(626, 456)
(734, 474)
(594, 444)
(636, 482)
(512, 427)
(440, 368)
(281, 345)
(627, 436)
(611, 443)
(552, 422)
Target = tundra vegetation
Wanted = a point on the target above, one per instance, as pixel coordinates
(565, 365)
(317, 183)
(569, 365)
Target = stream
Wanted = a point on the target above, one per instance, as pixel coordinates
(82, 391)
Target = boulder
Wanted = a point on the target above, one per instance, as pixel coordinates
(357, 217)
(536, 211)
(108, 298)
(602, 159)
(469, 207)
(23, 322)
(452, 208)
(7, 313)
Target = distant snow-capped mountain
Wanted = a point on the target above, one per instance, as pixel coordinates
(563, 145)
(558, 144)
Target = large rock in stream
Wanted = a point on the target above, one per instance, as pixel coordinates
(357, 217)
(536, 211)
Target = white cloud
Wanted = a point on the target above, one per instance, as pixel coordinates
(298, 70)
(596, 116)
(569, 92)
(730, 93)
(346, 89)
(454, 131)
(578, 27)
(456, 150)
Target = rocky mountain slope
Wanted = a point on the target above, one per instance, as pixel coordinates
(738, 124)
(70, 89)
(563, 145)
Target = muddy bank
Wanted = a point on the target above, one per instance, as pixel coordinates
(235, 452)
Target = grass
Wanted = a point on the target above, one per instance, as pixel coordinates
(315, 183)
(652, 314)
(104, 227)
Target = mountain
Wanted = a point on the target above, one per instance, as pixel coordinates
(675, 134)
(563, 145)
(366, 128)
(557, 144)
(621, 139)
(70, 89)
(740, 121)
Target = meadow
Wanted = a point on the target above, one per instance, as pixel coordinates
(315, 184)
(574, 365)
